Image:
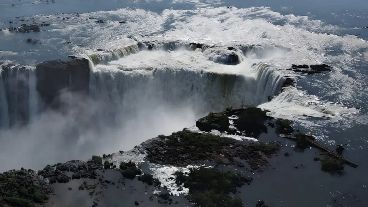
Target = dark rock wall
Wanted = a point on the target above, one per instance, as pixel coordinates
(25, 91)
(56, 76)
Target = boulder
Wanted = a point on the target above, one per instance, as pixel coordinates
(226, 56)
(288, 82)
(195, 46)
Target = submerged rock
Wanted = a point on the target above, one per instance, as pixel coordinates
(32, 41)
(100, 21)
(332, 165)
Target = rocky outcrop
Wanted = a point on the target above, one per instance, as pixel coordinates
(190, 148)
(226, 56)
(311, 69)
(56, 76)
(75, 169)
(24, 28)
(289, 81)
(214, 121)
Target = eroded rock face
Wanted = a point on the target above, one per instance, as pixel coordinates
(56, 76)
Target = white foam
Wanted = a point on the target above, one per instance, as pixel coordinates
(297, 105)
(166, 175)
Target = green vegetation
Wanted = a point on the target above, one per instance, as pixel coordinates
(97, 159)
(214, 121)
(18, 202)
(252, 122)
(129, 170)
(107, 165)
(148, 179)
(94, 58)
(185, 147)
(211, 188)
(22, 188)
(283, 126)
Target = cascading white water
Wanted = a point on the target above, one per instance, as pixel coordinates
(124, 92)
(33, 96)
(4, 115)
(269, 83)
(18, 95)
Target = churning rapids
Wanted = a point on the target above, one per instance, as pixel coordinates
(133, 74)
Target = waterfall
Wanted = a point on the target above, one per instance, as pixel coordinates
(127, 91)
(121, 93)
(18, 95)
(33, 96)
(268, 82)
(4, 115)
